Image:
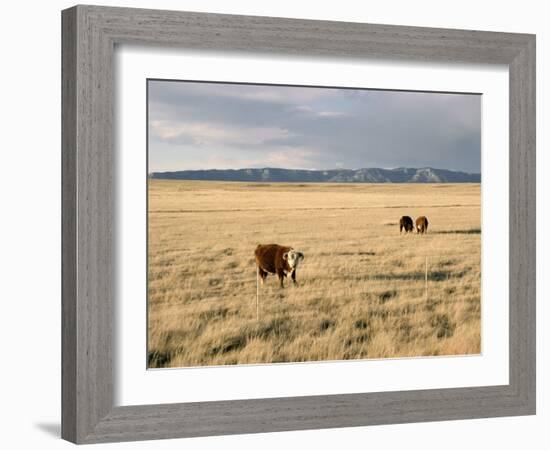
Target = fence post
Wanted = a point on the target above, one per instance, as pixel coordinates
(257, 297)
(426, 278)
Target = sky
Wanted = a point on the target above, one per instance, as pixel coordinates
(194, 125)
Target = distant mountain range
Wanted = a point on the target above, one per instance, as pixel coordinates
(399, 175)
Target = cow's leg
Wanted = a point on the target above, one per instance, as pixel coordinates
(281, 275)
(293, 276)
(262, 275)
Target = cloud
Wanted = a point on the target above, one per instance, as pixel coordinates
(319, 128)
(173, 92)
(332, 114)
(309, 111)
(205, 133)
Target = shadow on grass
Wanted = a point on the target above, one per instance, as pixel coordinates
(469, 231)
(434, 275)
(347, 253)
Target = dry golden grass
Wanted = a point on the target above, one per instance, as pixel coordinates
(361, 288)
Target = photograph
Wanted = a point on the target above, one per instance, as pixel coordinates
(296, 224)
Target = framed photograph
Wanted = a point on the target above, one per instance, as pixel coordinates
(267, 222)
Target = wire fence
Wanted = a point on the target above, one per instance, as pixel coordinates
(428, 270)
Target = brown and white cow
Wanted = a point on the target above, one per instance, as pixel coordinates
(422, 225)
(277, 259)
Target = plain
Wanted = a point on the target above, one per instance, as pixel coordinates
(364, 290)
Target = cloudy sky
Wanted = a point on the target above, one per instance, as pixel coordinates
(195, 125)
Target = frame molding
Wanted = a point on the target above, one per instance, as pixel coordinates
(89, 36)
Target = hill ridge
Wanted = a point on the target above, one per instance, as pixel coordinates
(364, 175)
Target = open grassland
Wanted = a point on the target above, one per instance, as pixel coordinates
(361, 289)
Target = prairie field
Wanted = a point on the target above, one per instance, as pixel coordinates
(364, 290)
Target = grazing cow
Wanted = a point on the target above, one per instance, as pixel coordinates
(406, 223)
(422, 225)
(277, 259)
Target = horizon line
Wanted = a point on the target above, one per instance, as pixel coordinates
(318, 170)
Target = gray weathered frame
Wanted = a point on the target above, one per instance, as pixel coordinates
(89, 36)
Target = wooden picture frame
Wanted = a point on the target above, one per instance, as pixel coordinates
(90, 34)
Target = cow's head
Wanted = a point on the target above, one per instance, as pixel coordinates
(293, 258)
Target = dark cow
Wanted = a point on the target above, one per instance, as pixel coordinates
(422, 225)
(406, 223)
(277, 259)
